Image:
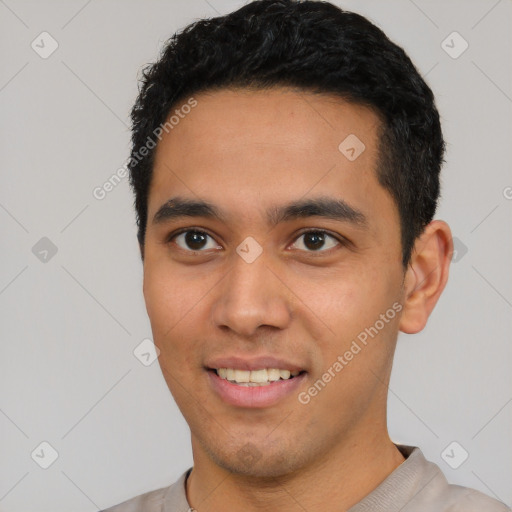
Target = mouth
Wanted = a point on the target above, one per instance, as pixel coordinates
(255, 388)
(253, 378)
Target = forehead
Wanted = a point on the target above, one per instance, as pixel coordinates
(264, 147)
(303, 120)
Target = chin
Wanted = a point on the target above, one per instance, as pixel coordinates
(251, 461)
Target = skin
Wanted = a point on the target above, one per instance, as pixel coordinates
(244, 151)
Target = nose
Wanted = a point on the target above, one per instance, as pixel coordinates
(251, 295)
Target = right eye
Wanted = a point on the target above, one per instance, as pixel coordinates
(193, 240)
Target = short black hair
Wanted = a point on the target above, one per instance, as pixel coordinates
(315, 47)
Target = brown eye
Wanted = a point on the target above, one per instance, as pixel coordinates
(316, 241)
(194, 240)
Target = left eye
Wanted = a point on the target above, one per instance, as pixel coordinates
(316, 241)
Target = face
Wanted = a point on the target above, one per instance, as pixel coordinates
(270, 248)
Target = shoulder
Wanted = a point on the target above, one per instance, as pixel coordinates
(433, 493)
(462, 499)
(149, 502)
(166, 499)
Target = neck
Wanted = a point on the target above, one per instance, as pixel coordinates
(334, 482)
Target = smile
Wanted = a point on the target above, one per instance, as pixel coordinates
(237, 387)
(261, 377)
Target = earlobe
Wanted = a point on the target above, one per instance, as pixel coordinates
(426, 275)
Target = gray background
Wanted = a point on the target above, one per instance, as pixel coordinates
(70, 324)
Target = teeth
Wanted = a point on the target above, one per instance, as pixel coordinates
(285, 374)
(259, 376)
(242, 375)
(252, 384)
(273, 374)
(255, 377)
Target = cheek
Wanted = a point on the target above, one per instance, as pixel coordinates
(351, 306)
(343, 305)
(343, 299)
(166, 304)
(174, 300)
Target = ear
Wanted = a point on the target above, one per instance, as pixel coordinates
(426, 275)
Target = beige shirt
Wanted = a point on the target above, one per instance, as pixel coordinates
(417, 485)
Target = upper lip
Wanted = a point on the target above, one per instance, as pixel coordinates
(254, 363)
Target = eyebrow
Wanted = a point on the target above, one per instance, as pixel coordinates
(327, 207)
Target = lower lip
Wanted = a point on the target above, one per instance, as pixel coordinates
(254, 396)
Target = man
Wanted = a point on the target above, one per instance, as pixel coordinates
(285, 164)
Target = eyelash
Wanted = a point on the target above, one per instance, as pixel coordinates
(342, 242)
